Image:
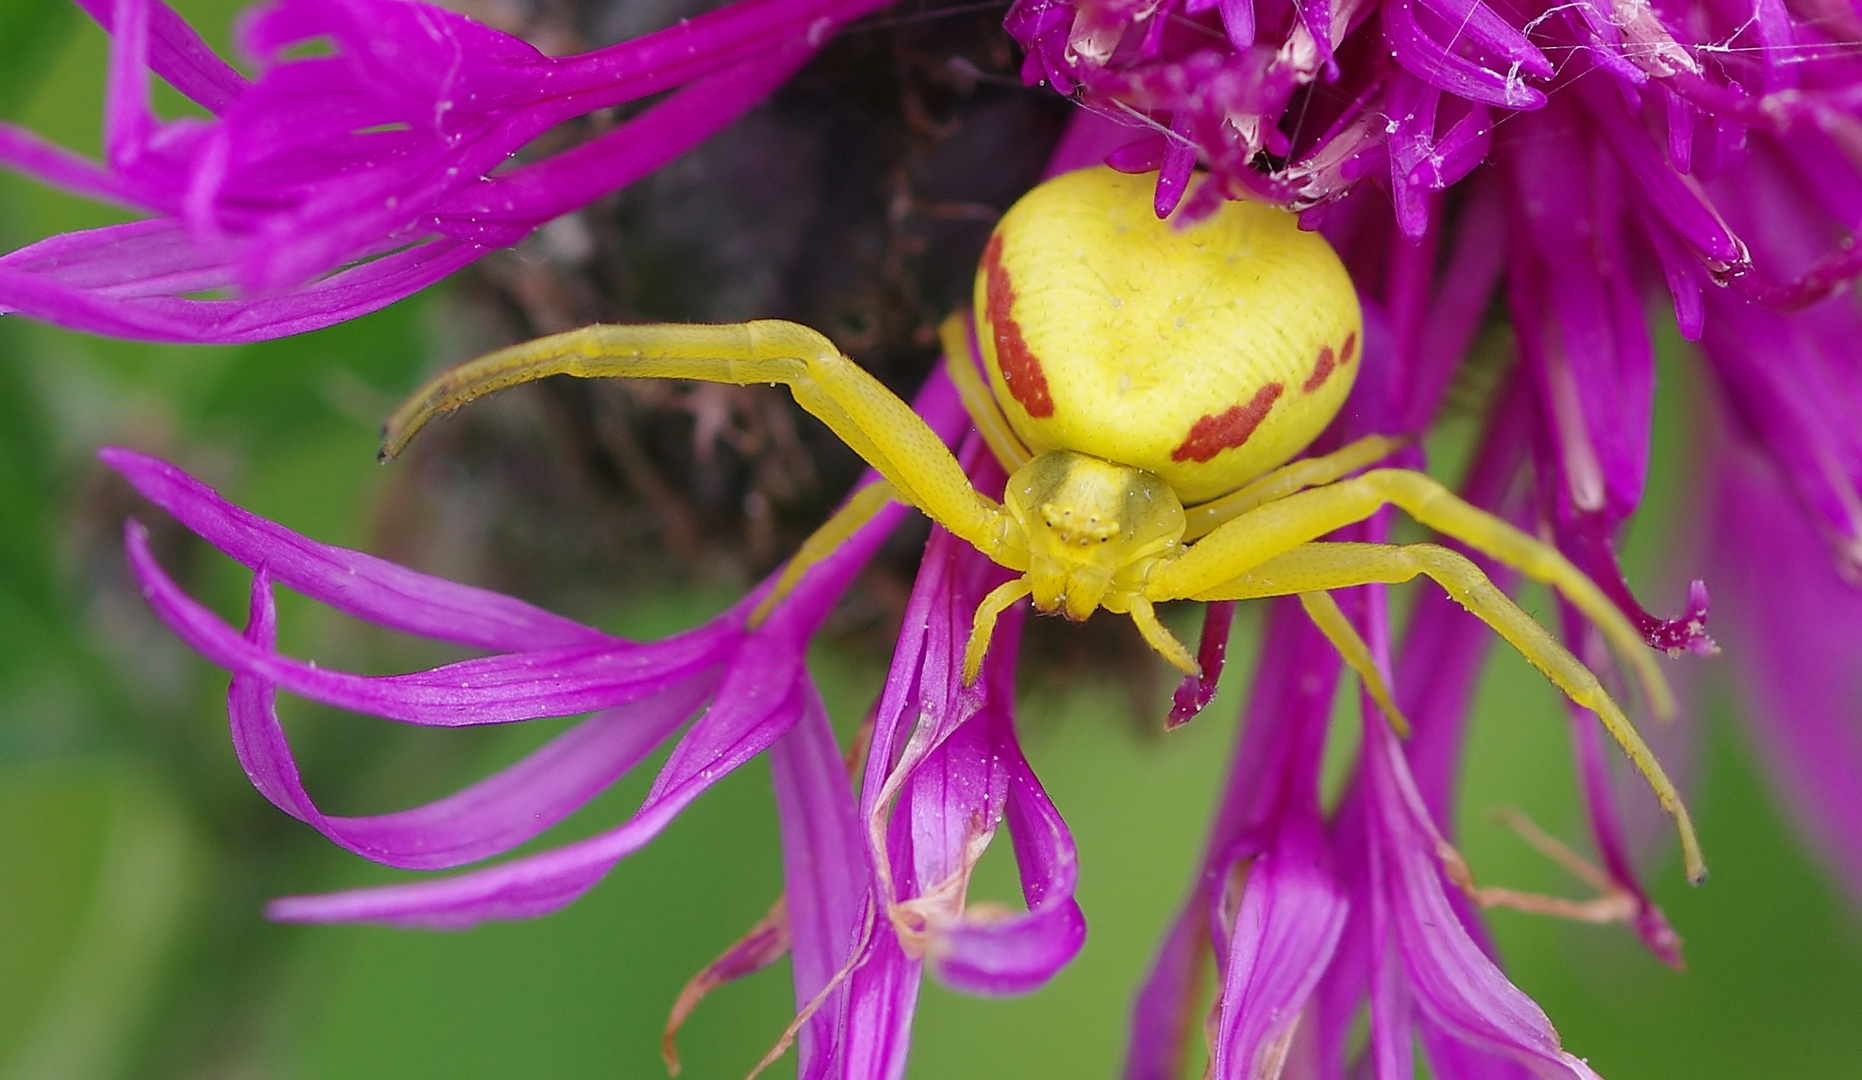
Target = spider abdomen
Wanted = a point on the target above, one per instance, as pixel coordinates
(1205, 354)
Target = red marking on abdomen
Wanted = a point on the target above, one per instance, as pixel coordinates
(1020, 367)
(1321, 371)
(1213, 434)
(1350, 352)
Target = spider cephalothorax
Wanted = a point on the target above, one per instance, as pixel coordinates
(1147, 384)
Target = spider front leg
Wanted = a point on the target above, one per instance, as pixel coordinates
(857, 407)
(1321, 566)
(859, 509)
(1204, 518)
(1324, 613)
(978, 401)
(1278, 527)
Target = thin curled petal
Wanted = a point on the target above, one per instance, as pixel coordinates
(746, 719)
(1450, 71)
(51, 164)
(485, 819)
(1598, 788)
(352, 582)
(500, 689)
(1018, 953)
(140, 310)
(763, 695)
(882, 999)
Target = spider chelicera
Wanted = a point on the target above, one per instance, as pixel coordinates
(1134, 366)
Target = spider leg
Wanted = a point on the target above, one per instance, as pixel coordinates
(1324, 613)
(854, 513)
(1161, 639)
(1275, 528)
(977, 399)
(1287, 479)
(983, 625)
(1317, 566)
(857, 407)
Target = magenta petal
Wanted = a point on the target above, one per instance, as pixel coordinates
(1019, 953)
(1412, 104)
(52, 164)
(883, 989)
(1275, 761)
(131, 261)
(485, 819)
(1291, 918)
(500, 689)
(1449, 978)
(1476, 23)
(1450, 71)
(1799, 398)
(763, 693)
(1795, 632)
(824, 878)
(388, 139)
(756, 705)
(1196, 691)
(352, 582)
(1451, 1059)
(1583, 333)
(1674, 198)
(1459, 151)
(882, 997)
(128, 312)
(504, 209)
(179, 55)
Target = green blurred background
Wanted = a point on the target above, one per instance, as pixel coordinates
(134, 858)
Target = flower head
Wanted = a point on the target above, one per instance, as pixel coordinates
(367, 161)
(1693, 149)
(874, 891)
(745, 683)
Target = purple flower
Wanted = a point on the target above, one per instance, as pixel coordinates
(945, 770)
(739, 683)
(1693, 145)
(874, 891)
(1697, 149)
(542, 665)
(338, 183)
(1311, 918)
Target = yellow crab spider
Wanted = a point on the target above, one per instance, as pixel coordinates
(1148, 384)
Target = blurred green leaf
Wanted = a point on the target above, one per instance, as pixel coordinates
(30, 30)
(26, 485)
(99, 865)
